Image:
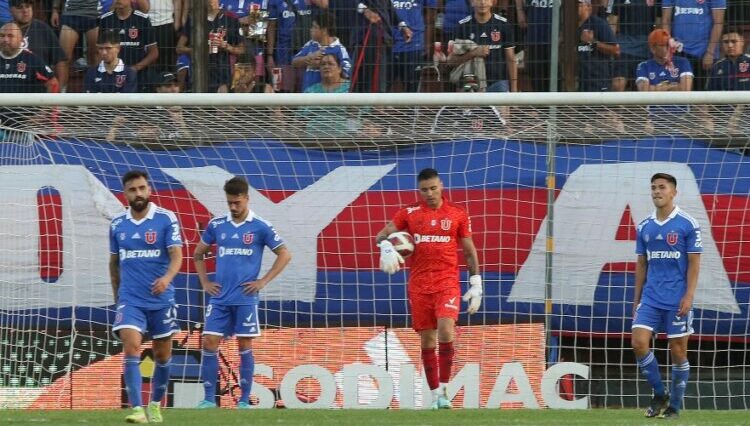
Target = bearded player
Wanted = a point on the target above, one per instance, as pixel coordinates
(438, 226)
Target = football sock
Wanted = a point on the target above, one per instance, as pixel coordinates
(209, 373)
(133, 380)
(247, 367)
(445, 353)
(160, 380)
(430, 362)
(650, 371)
(680, 375)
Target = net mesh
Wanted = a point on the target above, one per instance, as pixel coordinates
(328, 178)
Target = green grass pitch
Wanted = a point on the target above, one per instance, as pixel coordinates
(598, 417)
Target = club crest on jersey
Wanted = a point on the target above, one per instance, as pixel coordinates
(247, 237)
(120, 80)
(445, 224)
(672, 238)
(150, 236)
(674, 72)
(495, 36)
(744, 66)
(133, 33)
(21, 67)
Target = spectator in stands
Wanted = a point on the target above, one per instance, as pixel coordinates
(453, 12)
(78, 18)
(139, 49)
(142, 5)
(224, 41)
(535, 20)
(5, 15)
(20, 70)
(409, 56)
(243, 76)
(284, 16)
(631, 21)
(165, 17)
(38, 37)
(493, 36)
(372, 23)
(732, 72)
(332, 78)
(665, 72)
(596, 48)
(112, 75)
(697, 26)
(322, 40)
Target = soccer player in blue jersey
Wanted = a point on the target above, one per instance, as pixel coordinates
(668, 246)
(240, 239)
(145, 255)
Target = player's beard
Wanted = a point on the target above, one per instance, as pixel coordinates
(139, 204)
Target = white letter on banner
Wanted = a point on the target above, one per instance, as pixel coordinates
(468, 378)
(299, 218)
(352, 376)
(587, 214)
(87, 209)
(550, 385)
(325, 379)
(512, 371)
(266, 398)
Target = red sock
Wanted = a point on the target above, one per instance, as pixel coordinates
(446, 361)
(429, 359)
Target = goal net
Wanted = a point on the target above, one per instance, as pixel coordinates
(329, 172)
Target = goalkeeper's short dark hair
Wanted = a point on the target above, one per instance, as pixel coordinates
(666, 176)
(108, 37)
(427, 173)
(134, 174)
(236, 186)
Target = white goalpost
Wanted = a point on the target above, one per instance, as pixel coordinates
(554, 184)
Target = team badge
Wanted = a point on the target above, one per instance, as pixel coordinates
(651, 76)
(150, 236)
(744, 66)
(495, 36)
(120, 80)
(445, 224)
(122, 236)
(133, 33)
(21, 67)
(672, 238)
(247, 237)
(674, 72)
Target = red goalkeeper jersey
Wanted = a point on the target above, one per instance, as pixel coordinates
(437, 233)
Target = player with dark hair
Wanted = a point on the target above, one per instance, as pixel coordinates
(145, 255)
(668, 246)
(438, 226)
(240, 237)
(112, 75)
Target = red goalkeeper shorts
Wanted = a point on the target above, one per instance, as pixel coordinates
(426, 308)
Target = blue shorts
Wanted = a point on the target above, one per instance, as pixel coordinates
(79, 24)
(657, 320)
(156, 323)
(228, 320)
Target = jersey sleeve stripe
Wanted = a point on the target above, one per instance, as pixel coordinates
(690, 219)
(169, 213)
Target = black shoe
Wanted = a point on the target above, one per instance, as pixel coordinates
(657, 404)
(670, 413)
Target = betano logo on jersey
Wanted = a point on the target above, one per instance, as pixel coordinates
(662, 254)
(418, 238)
(228, 251)
(139, 254)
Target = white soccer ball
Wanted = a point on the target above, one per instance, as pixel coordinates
(403, 242)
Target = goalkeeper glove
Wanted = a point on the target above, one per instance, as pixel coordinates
(390, 259)
(474, 294)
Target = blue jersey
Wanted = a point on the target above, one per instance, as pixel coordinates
(312, 75)
(666, 246)
(656, 73)
(692, 22)
(123, 79)
(455, 10)
(410, 12)
(239, 252)
(539, 20)
(241, 8)
(731, 75)
(143, 247)
(284, 15)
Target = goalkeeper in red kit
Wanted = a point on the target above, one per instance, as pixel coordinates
(438, 227)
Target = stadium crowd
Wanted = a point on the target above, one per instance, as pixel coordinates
(374, 45)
